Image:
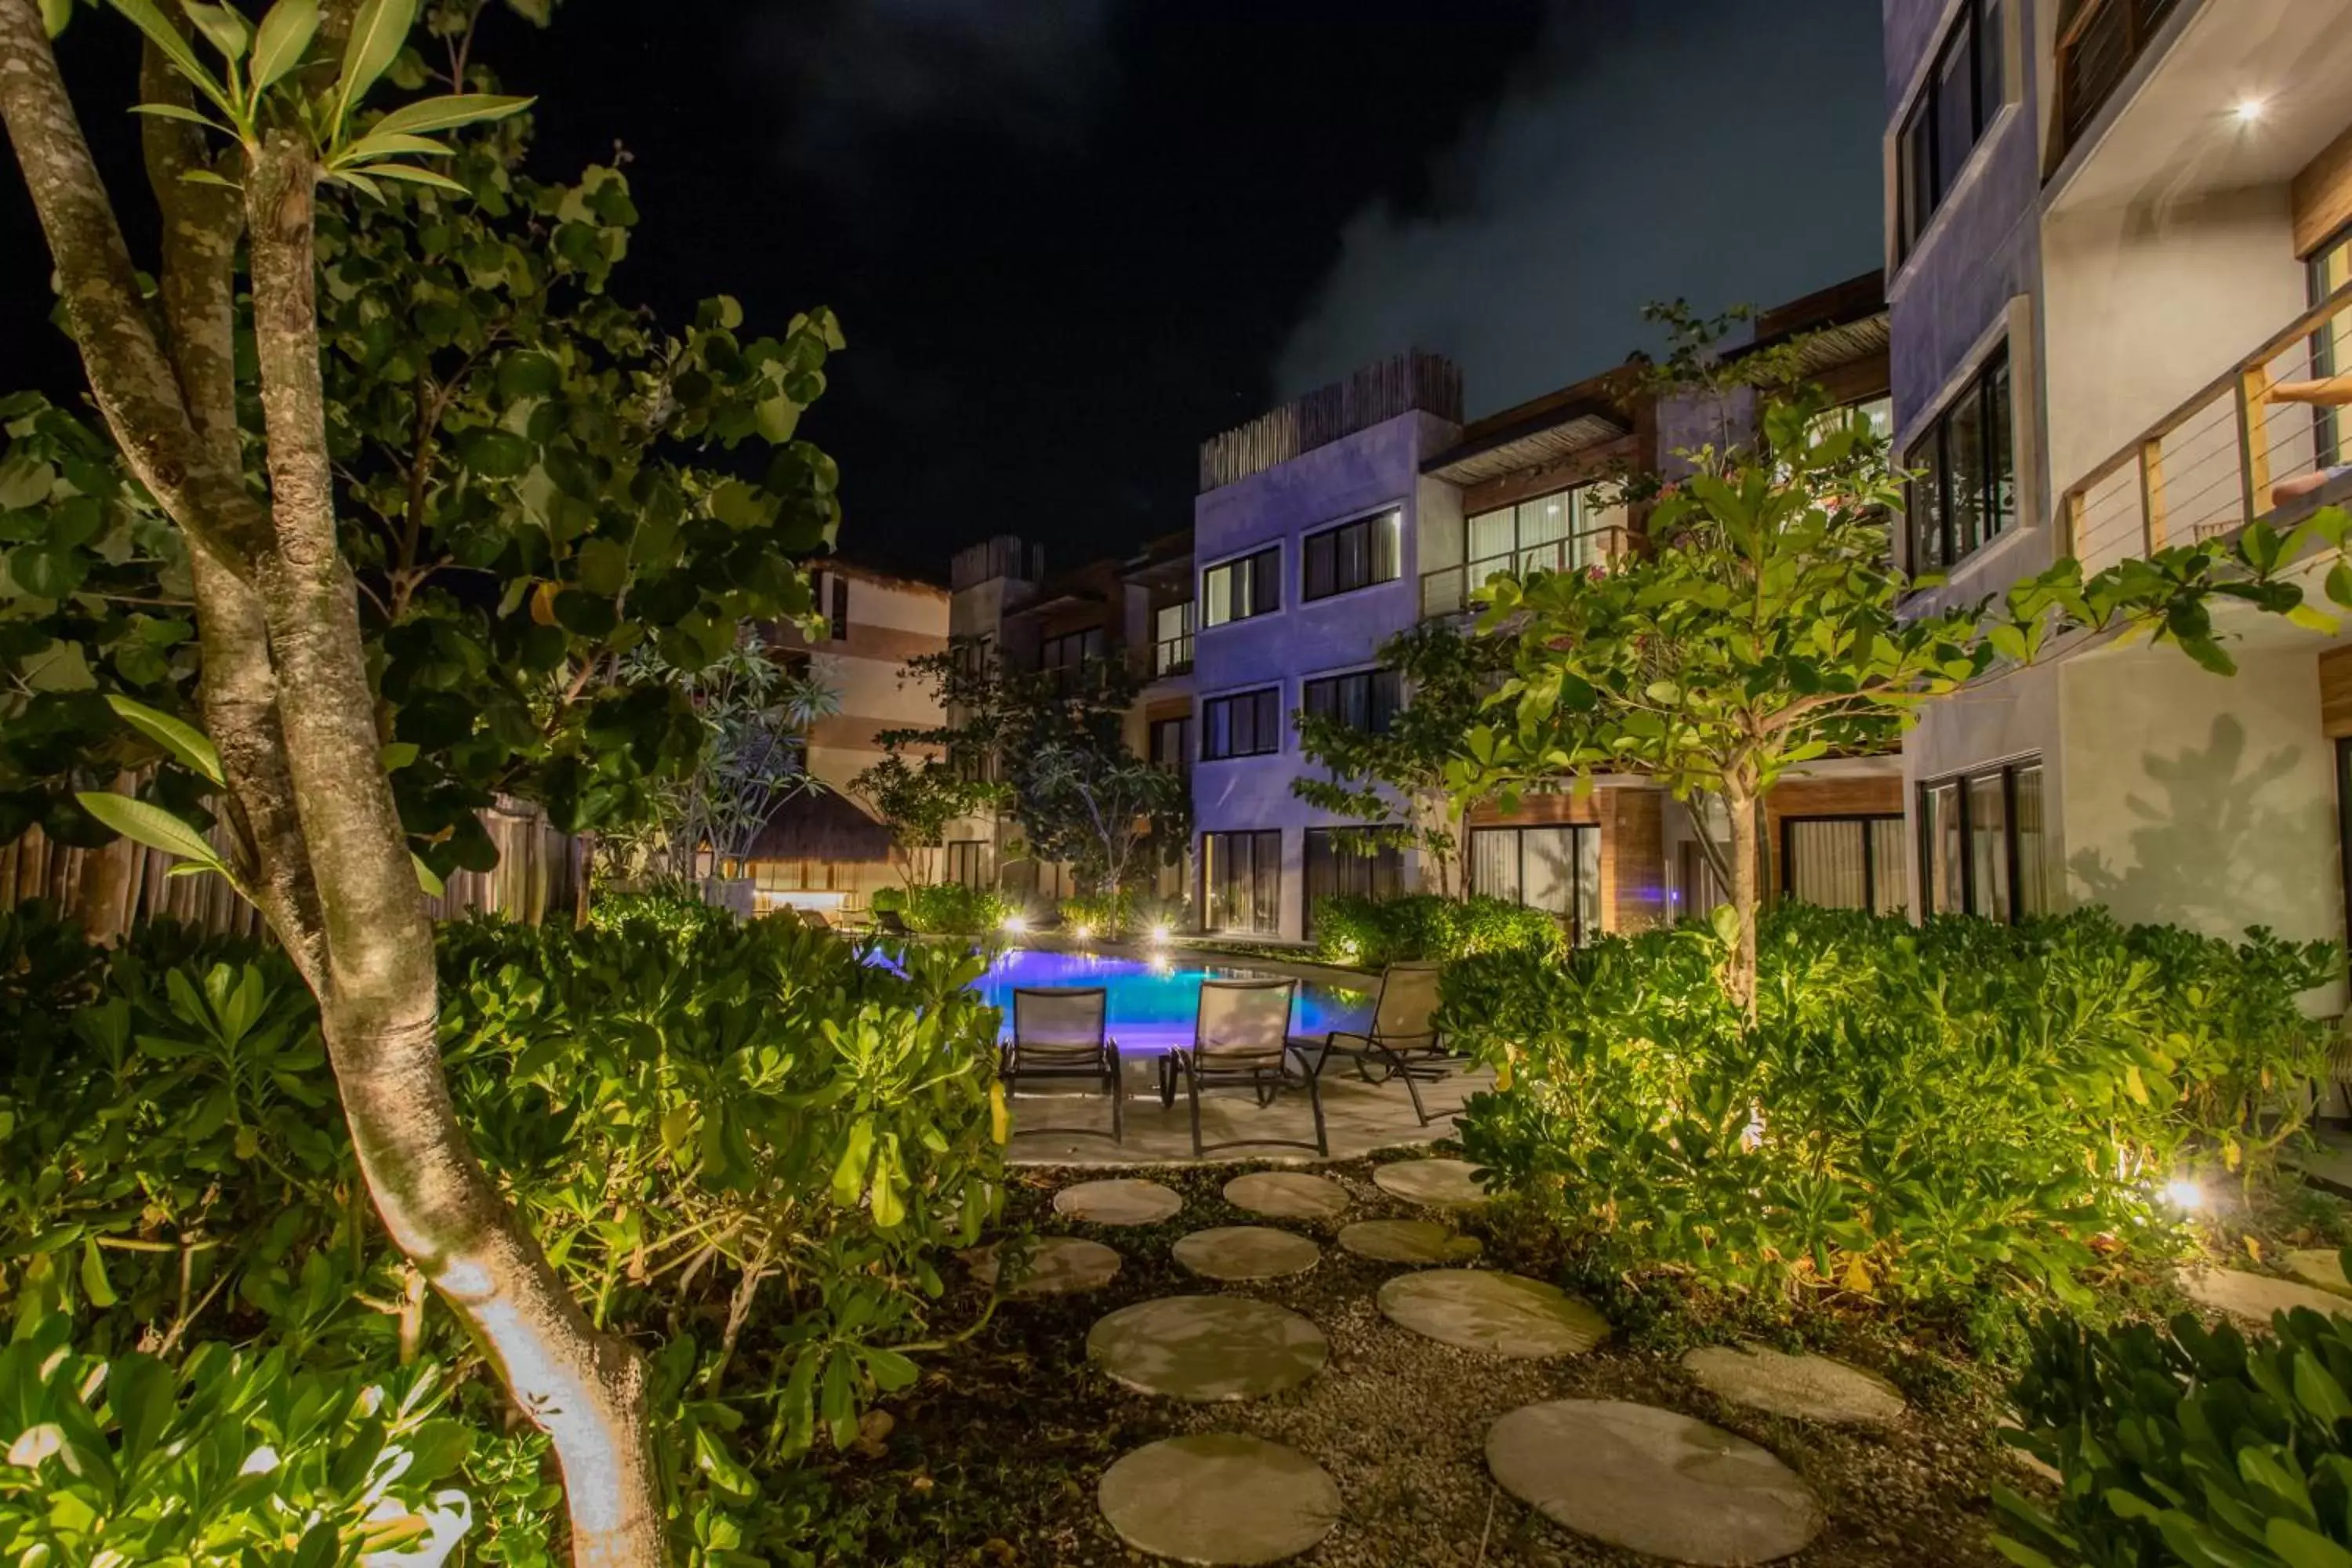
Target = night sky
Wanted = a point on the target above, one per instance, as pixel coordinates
(1070, 238)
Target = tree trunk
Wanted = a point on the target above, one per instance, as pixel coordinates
(1739, 967)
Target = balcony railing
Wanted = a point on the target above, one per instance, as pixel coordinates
(2098, 40)
(2225, 457)
(1171, 655)
(1447, 590)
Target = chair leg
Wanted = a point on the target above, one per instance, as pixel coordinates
(1168, 1080)
(1118, 1101)
(1193, 1089)
(1315, 1099)
(1413, 1088)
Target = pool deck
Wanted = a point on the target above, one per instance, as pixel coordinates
(1358, 1118)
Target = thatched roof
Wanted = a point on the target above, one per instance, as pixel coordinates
(819, 825)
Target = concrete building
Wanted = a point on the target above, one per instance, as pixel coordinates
(2115, 226)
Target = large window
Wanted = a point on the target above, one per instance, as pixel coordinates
(1565, 531)
(830, 591)
(1171, 639)
(1964, 91)
(1367, 700)
(1071, 650)
(2329, 269)
(1171, 743)
(968, 861)
(1845, 863)
(1237, 590)
(1246, 724)
(1982, 843)
(1350, 862)
(1353, 556)
(1963, 489)
(1555, 868)
(1241, 881)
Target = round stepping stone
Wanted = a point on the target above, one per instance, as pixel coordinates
(1219, 1498)
(1810, 1387)
(1652, 1481)
(2255, 1296)
(1245, 1252)
(1287, 1195)
(2320, 1267)
(1418, 1241)
(1436, 1183)
(1207, 1347)
(1056, 1265)
(1502, 1314)
(1117, 1202)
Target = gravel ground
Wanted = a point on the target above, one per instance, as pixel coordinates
(994, 1458)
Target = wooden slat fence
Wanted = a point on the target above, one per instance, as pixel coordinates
(1398, 384)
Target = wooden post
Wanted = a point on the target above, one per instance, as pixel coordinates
(2151, 493)
(2075, 523)
(2253, 447)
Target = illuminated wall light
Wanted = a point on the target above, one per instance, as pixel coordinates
(2184, 1193)
(1159, 933)
(2250, 109)
(1014, 925)
(1084, 933)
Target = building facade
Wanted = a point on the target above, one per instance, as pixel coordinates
(2116, 228)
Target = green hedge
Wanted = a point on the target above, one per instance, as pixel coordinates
(1377, 932)
(1938, 1113)
(2187, 1446)
(950, 908)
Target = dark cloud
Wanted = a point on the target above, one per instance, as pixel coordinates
(1724, 151)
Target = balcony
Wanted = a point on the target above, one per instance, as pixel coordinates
(1447, 591)
(2228, 455)
(1171, 655)
(2098, 40)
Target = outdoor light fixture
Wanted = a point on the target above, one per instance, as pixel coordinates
(1014, 925)
(1160, 933)
(2183, 1192)
(1084, 933)
(2250, 110)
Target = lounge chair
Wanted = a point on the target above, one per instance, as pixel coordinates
(1058, 1031)
(1403, 1040)
(815, 919)
(1240, 1039)
(890, 922)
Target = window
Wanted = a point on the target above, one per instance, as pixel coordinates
(1963, 489)
(1845, 863)
(1350, 862)
(2330, 269)
(1965, 88)
(1172, 645)
(1248, 724)
(1565, 531)
(1982, 844)
(1241, 881)
(1367, 700)
(1353, 556)
(1071, 652)
(2097, 42)
(1171, 743)
(967, 861)
(1240, 589)
(800, 876)
(1555, 868)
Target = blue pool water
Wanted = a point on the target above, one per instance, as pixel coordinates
(1153, 1001)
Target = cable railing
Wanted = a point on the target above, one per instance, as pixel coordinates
(2228, 455)
(1447, 590)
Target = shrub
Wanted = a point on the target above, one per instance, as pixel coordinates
(671, 904)
(1925, 1114)
(1118, 914)
(2187, 1446)
(886, 899)
(1377, 932)
(950, 908)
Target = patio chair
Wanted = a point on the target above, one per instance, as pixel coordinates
(1240, 1039)
(1403, 1041)
(1058, 1032)
(890, 922)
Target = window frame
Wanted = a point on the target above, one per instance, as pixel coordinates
(1387, 856)
(1049, 648)
(1269, 577)
(1172, 655)
(1580, 930)
(1917, 140)
(1271, 695)
(1371, 676)
(1996, 501)
(949, 873)
(1259, 869)
(1183, 752)
(1926, 896)
(1393, 516)
(1868, 820)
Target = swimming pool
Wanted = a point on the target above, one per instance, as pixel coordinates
(1153, 1001)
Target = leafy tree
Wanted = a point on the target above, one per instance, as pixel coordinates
(1762, 629)
(1447, 675)
(454, 487)
(755, 714)
(1107, 811)
(917, 797)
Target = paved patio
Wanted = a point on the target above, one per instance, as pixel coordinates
(1051, 1127)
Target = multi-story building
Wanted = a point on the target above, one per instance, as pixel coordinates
(2117, 250)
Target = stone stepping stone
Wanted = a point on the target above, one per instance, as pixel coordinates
(2255, 1296)
(2320, 1267)
(1433, 1183)
(1417, 1241)
(1207, 1349)
(1502, 1314)
(1810, 1387)
(1126, 1201)
(1056, 1265)
(1219, 1498)
(1235, 1252)
(1652, 1481)
(1287, 1195)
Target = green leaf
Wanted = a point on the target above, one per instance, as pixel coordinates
(181, 111)
(152, 825)
(2303, 1547)
(890, 1371)
(144, 15)
(393, 144)
(417, 176)
(284, 37)
(426, 876)
(224, 26)
(54, 15)
(94, 1282)
(377, 32)
(447, 112)
(182, 740)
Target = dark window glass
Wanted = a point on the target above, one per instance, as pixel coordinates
(1367, 700)
(1556, 869)
(1926, 506)
(1984, 844)
(1171, 743)
(1239, 589)
(967, 861)
(1955, 111)
(1963, 468)
(1241, 881)
(1916, 174)
(840, 617)
(1940, 823)
(1248, 724)
(1845, 863)
(1964, 91)
(1353, 556)
(1963, 490)
(1349, 862)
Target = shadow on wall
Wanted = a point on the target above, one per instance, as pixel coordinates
(2220, 850)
